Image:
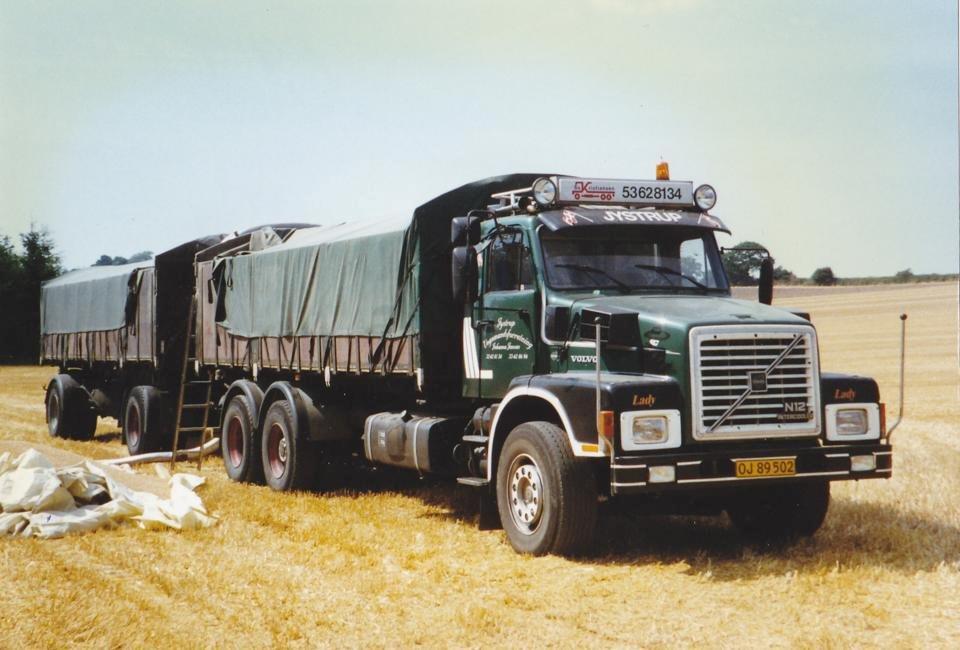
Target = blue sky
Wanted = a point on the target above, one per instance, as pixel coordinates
(828, 128)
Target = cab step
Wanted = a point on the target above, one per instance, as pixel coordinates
(480, 440)
(473, 481)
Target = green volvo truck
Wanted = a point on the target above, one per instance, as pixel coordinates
(550, 341)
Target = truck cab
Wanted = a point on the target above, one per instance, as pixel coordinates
(598, 316)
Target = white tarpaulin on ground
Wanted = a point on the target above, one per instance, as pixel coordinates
(40, 500)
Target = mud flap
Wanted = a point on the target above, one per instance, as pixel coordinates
(489, 516)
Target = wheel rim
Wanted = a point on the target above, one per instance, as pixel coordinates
(277, 450)
(133, 426)
(526, 494)
(53, 411)
(235, 441)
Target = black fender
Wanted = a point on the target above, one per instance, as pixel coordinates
(836, 388)
(315, 420)
(569, 400)
(242, 387)
(77, 399)
(862, 392)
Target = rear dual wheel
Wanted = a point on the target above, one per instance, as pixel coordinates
(289, 461)
(240, 440)
(145, 423)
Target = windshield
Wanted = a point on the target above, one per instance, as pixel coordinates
(632, 258)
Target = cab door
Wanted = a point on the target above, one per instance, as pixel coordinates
(505, 315)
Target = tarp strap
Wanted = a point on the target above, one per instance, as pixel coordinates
(377, 353)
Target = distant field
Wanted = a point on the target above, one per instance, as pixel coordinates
(386, 567)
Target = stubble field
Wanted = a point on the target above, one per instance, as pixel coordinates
(387, 566)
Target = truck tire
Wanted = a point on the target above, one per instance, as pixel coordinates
(69, 410)
(546, 499)
(240, 441)
(289, 461)
(780, 512)
(143, 421)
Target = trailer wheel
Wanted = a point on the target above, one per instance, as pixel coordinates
(289, 462)
(780, 512)
(240, 441)
(546, 499)
(143, 421)
(70, 413)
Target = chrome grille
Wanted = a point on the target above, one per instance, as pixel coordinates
(754, 382)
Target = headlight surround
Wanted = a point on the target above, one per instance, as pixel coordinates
(705, 197)
(544, 191)
(852, 422)
(651, 429)
(849, 421)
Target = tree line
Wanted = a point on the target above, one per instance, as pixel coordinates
(742, 263)
(23, 270)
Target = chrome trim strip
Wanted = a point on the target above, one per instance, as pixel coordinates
(690, 462)
(837, 455)
(628, 484)
(760, 478)
(628, 466)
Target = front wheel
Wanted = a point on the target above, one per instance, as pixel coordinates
(69, 411)
(547, 500)
(780, 512)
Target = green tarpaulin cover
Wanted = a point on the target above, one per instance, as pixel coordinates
(87, 300)
(347, 279)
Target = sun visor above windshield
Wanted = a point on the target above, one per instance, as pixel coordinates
(579, 217)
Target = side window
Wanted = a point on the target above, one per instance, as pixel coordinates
(508, 266)
(694, 262)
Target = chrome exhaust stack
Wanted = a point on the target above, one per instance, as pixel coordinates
(903, 347)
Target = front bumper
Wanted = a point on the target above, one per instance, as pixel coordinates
(631, 474)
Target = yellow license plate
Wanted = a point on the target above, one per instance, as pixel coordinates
(760, 467)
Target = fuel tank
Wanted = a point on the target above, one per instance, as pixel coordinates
(421, 442)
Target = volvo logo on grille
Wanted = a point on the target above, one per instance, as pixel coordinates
(758, 382)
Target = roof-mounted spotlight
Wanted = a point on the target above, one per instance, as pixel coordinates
(705, 197)
(544, 191)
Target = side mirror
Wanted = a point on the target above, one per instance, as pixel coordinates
(765, 291)
(464, 274)
(556, 322)
(464, 231)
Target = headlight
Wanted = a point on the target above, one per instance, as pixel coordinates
(649, 430)
(852, 422)
(544, 191)
(705, 197)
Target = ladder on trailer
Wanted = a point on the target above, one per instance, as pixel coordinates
(205, 386)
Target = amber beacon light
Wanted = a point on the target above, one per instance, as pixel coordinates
(663, 171)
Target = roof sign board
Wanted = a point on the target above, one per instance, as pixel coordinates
(620, 192)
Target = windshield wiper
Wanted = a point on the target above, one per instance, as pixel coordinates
(623, 286)
(664, 270)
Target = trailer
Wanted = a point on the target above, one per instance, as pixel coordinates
(547, 340)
